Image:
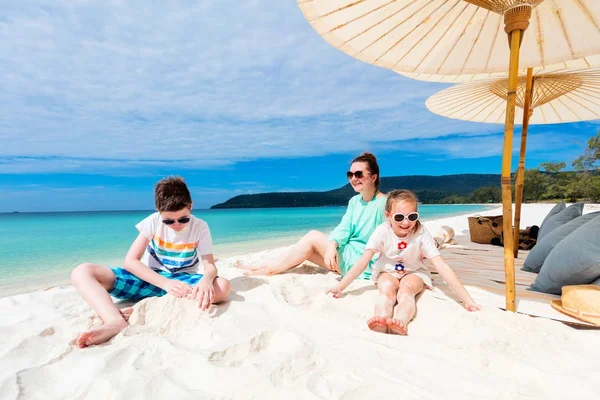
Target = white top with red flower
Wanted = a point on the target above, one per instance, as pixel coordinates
(399, 256)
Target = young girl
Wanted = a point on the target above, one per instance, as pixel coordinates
(400, 272)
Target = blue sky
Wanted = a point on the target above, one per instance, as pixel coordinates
(99, 99)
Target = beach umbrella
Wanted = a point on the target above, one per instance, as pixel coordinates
(580, 63)
(542, 98)
(557, 97)
(455, 37)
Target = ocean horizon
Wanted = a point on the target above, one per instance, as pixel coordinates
(41, 248)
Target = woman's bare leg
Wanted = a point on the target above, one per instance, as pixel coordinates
(311, 247)
(387, 285)
(410, 287)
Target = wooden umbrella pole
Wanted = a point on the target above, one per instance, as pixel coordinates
(509, 125)
(516, 21)
(527, 111)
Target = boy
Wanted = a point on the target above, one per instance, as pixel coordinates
(164, 258)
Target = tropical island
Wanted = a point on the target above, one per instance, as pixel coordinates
(547, 182)
(430, 189)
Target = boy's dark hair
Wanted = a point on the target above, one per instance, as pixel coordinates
(171, 194)
(371, 162)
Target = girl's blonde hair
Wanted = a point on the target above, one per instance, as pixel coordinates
(402, 195)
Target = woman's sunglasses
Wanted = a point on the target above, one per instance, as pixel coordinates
(182, 220)
(357, 174)
(412, 217)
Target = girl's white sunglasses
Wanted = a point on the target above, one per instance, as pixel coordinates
(412, 217)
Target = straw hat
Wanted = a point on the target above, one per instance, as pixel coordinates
(443, 235)
(581, 302)
(448, 233)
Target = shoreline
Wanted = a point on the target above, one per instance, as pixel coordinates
(10, 286)
(231, 253)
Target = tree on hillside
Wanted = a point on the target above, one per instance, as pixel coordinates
(487, 194)
(558, 187)
(552, 167)
(588, 178)
(455, 199)
(535, 184)
(591, 157)
(587, 186)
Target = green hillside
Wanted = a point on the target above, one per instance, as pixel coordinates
(429, 189)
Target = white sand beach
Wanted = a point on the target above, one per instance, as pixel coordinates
(281, 337)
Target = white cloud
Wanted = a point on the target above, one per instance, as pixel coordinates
(102, 85)
(92, 86)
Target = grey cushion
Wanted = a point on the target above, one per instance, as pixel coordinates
(555, 210)
(596, 282)
(559, 219)
(543, 247)
(575, 260)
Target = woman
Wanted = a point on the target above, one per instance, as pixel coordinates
(346, 243)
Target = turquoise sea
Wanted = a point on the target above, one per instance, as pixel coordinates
(40, 249)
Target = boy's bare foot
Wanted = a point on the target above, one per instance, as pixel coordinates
(100, 334)
(396, 326)
(378, 324)
(126, 313)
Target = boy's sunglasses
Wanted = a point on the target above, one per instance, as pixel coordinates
(357, 174)
(412, 217)
(182, 220)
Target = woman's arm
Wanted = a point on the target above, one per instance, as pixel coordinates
(341, 234)
(452, 280)
(354, 272)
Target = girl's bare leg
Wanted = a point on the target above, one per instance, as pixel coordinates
(311, 247)
(410, 287)
(384, 307)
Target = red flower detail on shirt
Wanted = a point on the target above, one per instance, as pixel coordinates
(402, 245)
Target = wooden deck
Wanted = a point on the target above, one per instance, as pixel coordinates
(481, 269)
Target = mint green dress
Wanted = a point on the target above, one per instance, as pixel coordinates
(352, 234)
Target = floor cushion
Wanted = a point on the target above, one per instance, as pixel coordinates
(537, 255)
(555, 210)
(559, 219)
(575, 260)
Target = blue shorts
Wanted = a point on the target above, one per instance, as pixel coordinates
(130, 287)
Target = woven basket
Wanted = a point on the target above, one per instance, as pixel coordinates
(484, 229)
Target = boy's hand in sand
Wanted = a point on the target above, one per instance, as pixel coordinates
(335, 291)
(204, 293)
(472, 306)
(177, 288)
